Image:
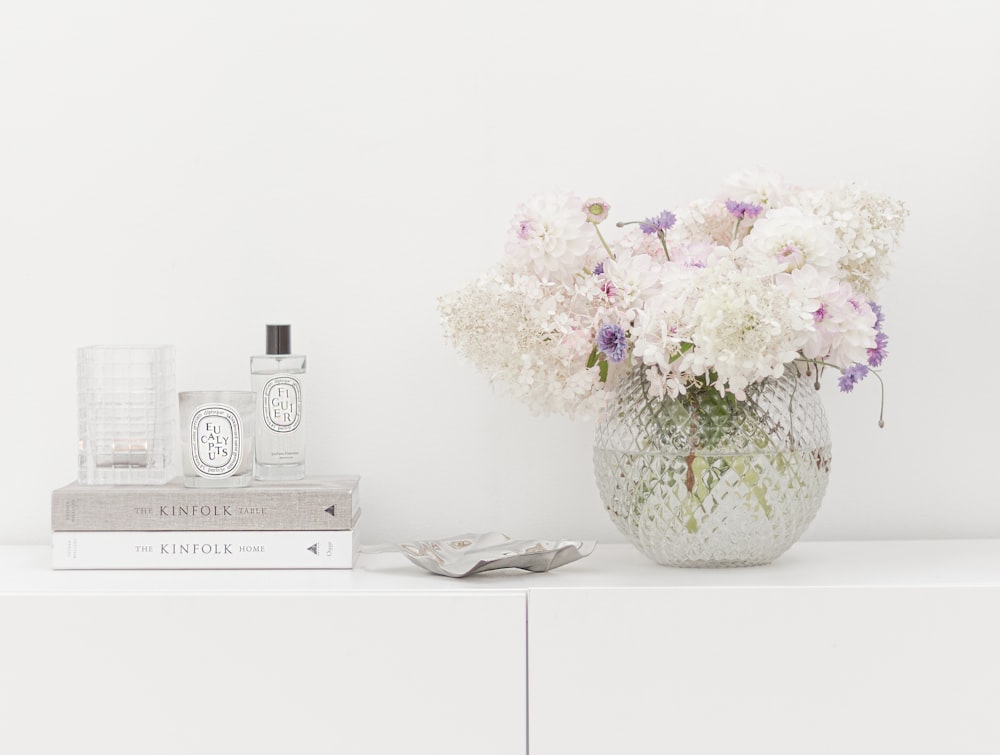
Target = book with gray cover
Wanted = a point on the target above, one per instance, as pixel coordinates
(314, 503)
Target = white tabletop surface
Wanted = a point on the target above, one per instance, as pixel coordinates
(25, 569)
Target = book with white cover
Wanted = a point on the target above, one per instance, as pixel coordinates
(219, 549)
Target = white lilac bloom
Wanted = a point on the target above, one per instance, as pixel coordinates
(787, 238)
(551, 237)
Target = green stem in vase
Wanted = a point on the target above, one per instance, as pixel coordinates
(603, 242)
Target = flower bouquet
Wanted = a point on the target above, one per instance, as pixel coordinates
(704, 306)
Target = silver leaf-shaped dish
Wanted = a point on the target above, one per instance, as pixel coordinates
(463, 555)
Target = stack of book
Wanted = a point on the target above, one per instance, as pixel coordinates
(306, 524)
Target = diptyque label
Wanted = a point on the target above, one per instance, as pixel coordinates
(216, 440)
(282, 404)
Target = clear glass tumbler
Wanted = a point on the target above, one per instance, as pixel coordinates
(217, 434)
(127, 410)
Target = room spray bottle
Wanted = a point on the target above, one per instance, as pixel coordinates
(277, 381)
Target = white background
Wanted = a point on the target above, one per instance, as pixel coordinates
(186, 172)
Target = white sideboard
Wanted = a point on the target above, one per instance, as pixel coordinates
(837, 647)
(247, 662)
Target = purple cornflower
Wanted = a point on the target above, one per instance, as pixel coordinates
(744, 210)
(851, 377)
(611, 341)
(662, 222)
(599, 268)
(879, 317)
(877, 355)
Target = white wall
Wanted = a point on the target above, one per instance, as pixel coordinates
(186, 172)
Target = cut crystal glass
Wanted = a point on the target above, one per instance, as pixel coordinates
(706, 480)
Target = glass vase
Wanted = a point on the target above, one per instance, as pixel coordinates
(704, 480)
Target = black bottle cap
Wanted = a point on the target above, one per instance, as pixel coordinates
(279, 339)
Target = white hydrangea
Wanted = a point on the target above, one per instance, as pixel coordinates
(745, 328)
(532, 337)
(868, 227)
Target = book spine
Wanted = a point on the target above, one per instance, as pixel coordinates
(301, 549)
(72, 512)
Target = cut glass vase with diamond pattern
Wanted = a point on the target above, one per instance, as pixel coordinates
(703, 480)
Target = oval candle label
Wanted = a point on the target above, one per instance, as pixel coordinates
(216, 440)
(281, 398)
